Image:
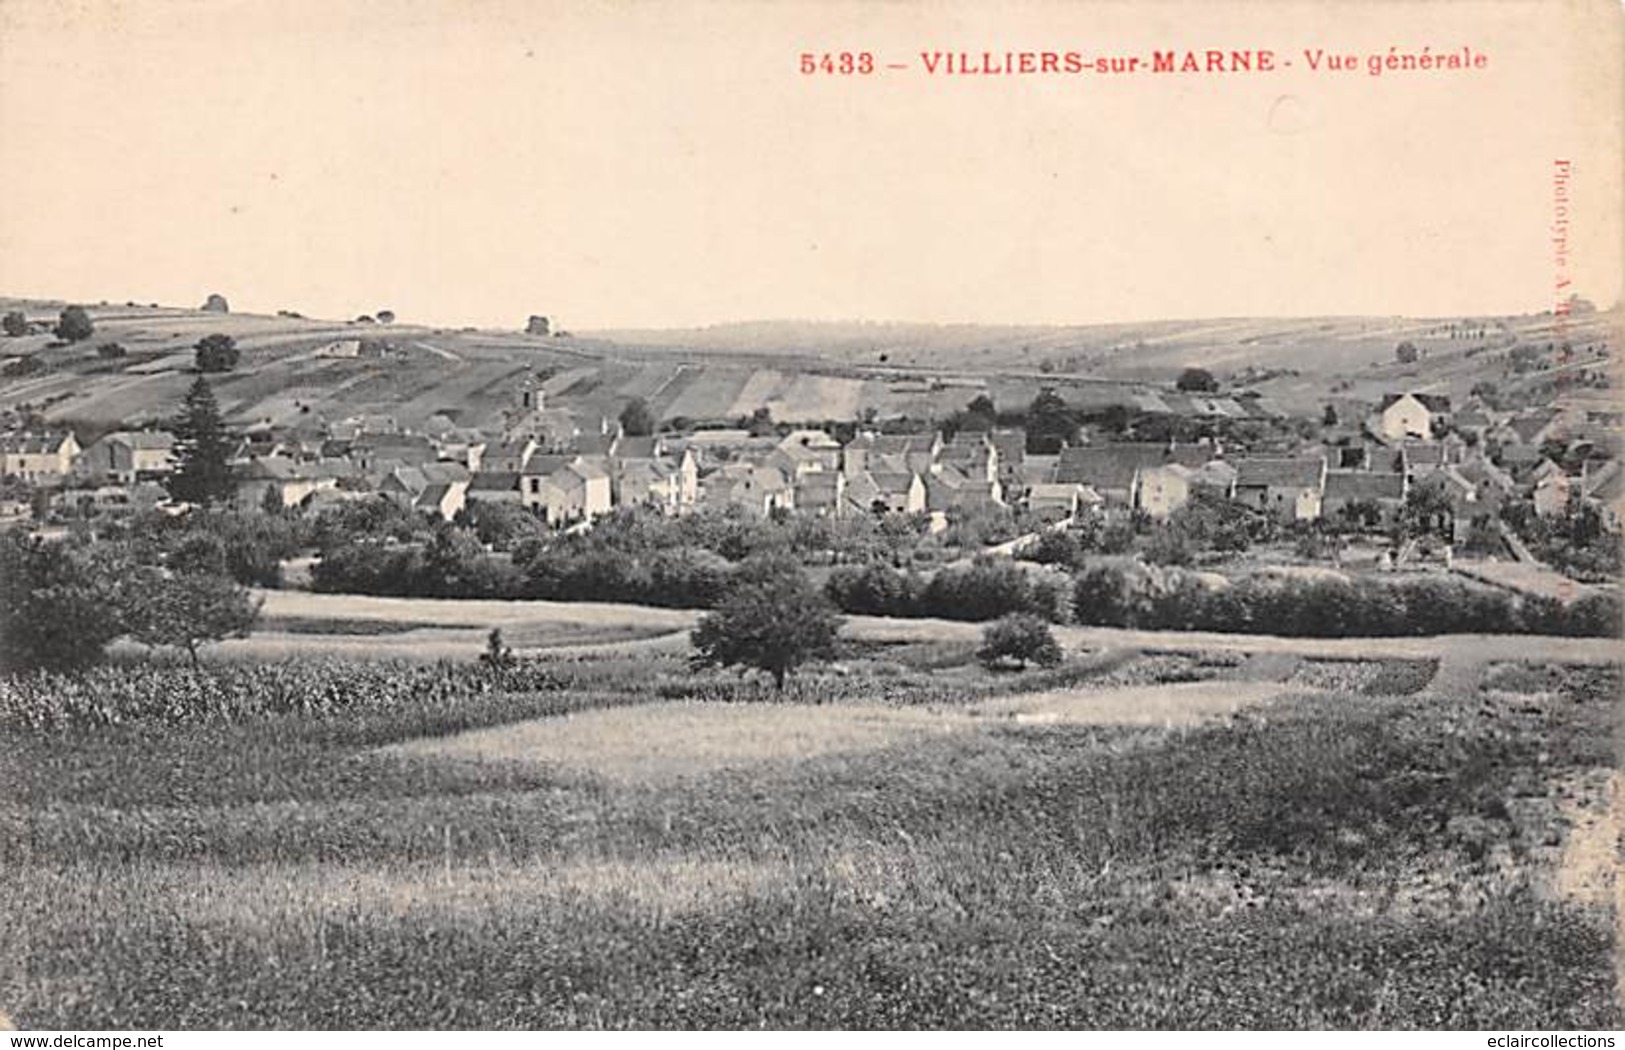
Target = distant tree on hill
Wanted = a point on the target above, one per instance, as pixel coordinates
(1197, 380)
(74, 325)
(216, 304)
(14, 324)
(538, 325)
(217, 353)
(202, 472)
(110, 350)
(636, 418)
(771, 618)
(1329, 417)
(386, 316)
(1406, 353)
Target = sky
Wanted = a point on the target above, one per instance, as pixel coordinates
(665, 164)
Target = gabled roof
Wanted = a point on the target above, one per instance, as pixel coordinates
(441, 472)
(1546, 469)
(1216, 473)
(493, 482)
(334, 468)
(1483, 472)
(1351, 485)
(1114, 466)
(144, 440)
(432, 496)
(409, 478)
(586, 469)
(895, 444)
(1055, 491)
(1010, 441)
(861, 490)
(816, 440)
(1606, 486)
(1431, 402)
(892, 483)
(1521, 455)
(1426, 454)
(1529, 426)
(272, 468)
(545, 463)
(1279, 472)
(1449, 478)
(29, 443)
(819, 488)
(642, 447)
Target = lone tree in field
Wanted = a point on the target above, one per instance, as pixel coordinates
(1019, 637)
(202, 472)
(636, 419)
(216, 304)
(1406, 353)
(217, 353)
(14, 324)
(73, 325)
(1197, 380)
(772, 618)
(188, 610)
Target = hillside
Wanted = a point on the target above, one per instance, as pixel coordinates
(799, 372)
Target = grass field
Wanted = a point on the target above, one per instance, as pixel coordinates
(1212, 838)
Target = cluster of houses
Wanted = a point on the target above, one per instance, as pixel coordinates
(1359, 472)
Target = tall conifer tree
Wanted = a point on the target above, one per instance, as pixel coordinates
(202, 449)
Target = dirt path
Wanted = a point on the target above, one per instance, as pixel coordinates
(1465, 649)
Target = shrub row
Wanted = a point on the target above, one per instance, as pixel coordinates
(1130, 594)
(1328, 607)
(986, 589)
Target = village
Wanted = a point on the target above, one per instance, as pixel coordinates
(1355, 470)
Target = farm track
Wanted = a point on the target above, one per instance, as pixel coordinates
(1471, 650)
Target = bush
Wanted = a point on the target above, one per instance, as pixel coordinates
(14, 324)
(217, 353)
(874, 590)
(59, 604)
(74, 325)
(111, 351)
(1055, 547)
(1020, 637)
(26, 365)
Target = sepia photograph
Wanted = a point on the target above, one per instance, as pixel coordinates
(628, 515)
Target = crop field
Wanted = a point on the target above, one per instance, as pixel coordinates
(704, 394)
(801, 372)
(1138, 838)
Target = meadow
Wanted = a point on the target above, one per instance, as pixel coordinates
(1141, 837)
